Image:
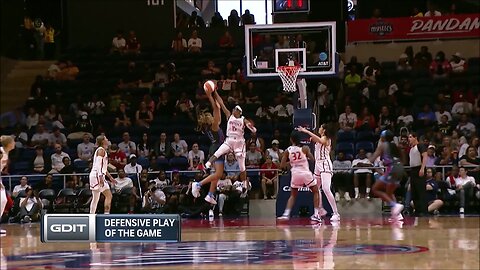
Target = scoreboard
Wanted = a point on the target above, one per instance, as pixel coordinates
(287, 6)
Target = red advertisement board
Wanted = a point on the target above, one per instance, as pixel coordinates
(452, 26)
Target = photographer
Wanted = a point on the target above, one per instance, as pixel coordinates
(154, 199)
(30, 206)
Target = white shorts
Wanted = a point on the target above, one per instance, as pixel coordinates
(94, 186)
(323, 166)
(232, 144)
(302, 178)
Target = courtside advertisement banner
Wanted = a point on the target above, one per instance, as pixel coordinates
(452, 26)
(110, 228)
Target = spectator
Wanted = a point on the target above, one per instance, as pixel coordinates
(40, 162)
(440, 68)
(153, 200)
(184, 106)
(233, 19)
(359, 173)
(248, 18)
(195, 21)
(144, 147)
(376, 14)
(85, 149)
(69, 72)
(444, 127)
(283, 112)
(353, 64)
(20, 137)
(426, 118)
(13, 118)
(462, 106)
(47, 183)
(211, 71)
(251, 95)
(405, 119)
(116, 158)
(269, 176)
(133, 45)
(432, 187)
(127, 146)
(386, 121)
(366, 121)
(282, 43)
(165, 105)
(403, 63)
(259, 142)
(464, 187)
(22, 186)
(441, 112)
(57, 137)
(179, 44)
(119, 44)
(143, 116)
(466, 127)
(162, 180)
(424, 57)
(125, 184)
(217, 20)
(352, 79)
(347, 120)
(82, 126)
(463, 143)
(179, 147)
(431, 157)
(224, 187)
(458, 64)
(53, 116)
(57, 159)
(147, 78)
(471, 160)
(342, 177)
(446, 157)
(96, 106)
(67, 166)
(416, 12)
(231, 167)
(133, 168)
(274, 152)
(163, 149)
(226, 41)
(122, 119)
(432, 10)
(30, 206)
(50, 35)
(162, 76)
(253, 158)
(195, 43)
(41, 137)
(196, 157)
(32, 118)
(264, 113)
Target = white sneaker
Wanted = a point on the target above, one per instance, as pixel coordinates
(208, 165)
(347, 197)
(368, 197)
(220, 214)
(400, 216)
(3, 231)
(462, 211)
(196, 189)
(397, 209)
(317, 218)
(283, 217)
(210, 213)
(322, 212)
(337, 197)
(210, 200)
(357, 196)
(335, 217)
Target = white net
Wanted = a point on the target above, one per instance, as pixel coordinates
(289, 74)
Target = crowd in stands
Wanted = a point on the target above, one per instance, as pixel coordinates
(147, 103)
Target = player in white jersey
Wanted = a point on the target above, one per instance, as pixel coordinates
(323, 167)
(301, 175)
(235, 141)
(7, 144)
(98, 183)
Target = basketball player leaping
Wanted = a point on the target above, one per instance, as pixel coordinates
(210, 126)
(388, 182)
(323, 167)
(7, 144)
(301, 175)
(235, 142)
(98, 183)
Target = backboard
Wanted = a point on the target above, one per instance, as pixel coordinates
(266, 46)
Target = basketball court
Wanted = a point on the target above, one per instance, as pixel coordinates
(355, 243)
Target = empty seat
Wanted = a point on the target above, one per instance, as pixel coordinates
(346, 136)
(366, 145)
(345, 147)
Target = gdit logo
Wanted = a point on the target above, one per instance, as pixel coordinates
(68, 228)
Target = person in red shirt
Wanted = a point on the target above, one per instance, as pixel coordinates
(269, 178)
(116, 158)
(226, 41)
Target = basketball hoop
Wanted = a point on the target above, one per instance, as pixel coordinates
(289, 74)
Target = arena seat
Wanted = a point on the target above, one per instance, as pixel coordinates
(367, 145)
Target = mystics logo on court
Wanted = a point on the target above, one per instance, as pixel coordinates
(381, 28)
(108, 255)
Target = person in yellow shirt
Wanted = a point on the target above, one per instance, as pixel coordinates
(416, 13)
(50, 41)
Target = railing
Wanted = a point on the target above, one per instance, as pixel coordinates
(13, 179)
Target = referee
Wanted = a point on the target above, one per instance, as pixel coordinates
(418, 161)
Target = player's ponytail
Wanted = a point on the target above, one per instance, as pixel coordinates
(6, 140)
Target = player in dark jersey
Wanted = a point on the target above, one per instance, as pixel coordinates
(386, 184)
(209, 125)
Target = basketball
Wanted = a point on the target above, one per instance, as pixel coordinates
(209, 86)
